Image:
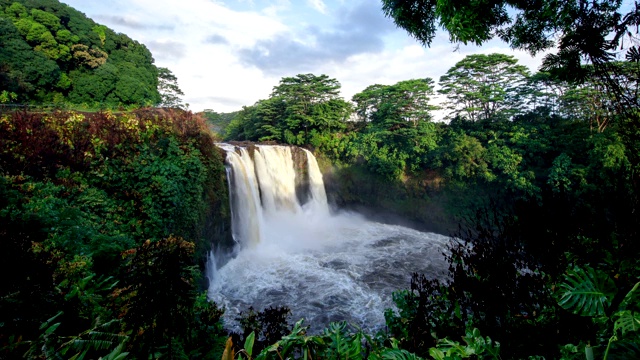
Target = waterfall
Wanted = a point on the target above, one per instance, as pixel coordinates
(277, 179)
(316, 186)
(211, 267)
(292, 251)
(246, 213)
(263, 188)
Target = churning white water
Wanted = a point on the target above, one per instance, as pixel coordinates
(325, 267)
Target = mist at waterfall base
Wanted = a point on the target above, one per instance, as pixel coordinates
(324, 266)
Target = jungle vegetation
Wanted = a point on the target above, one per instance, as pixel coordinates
(106, 218)
(106, 223)
(53, 54)
(540, 170)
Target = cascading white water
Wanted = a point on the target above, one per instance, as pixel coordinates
(277, 179)
(316, 186)
(211, 268)
(246, 213)
(325, 267)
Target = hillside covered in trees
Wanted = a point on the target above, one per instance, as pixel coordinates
(52, 53)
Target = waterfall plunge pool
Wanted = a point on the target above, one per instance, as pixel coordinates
(325, 267)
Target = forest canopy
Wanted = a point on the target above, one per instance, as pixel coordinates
(52, 53)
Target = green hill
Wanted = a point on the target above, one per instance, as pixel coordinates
(52, 53)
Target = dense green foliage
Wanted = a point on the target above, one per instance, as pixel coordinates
(304, 109)
(484, 86)
(551, 259)
(104, 217)
(103, 213)
(218, 122)
(106, 221)
(540, 173)
(578, 30)
(52, 53)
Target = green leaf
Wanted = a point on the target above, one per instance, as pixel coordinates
(248, 343)
(627, 321)
(117, 353)
(586, 292)
(632, 298)
(345, 345)
(52, 328)
(49, 321)
(79, 356)
(436, 353)
(395, 354)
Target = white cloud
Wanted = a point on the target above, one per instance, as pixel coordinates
(273, 11)
(319, 5)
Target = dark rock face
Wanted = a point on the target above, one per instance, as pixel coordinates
(411, 203)
(301, 165)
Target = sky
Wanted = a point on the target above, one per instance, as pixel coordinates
(231, 53)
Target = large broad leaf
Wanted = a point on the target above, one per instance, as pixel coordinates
(342, 344)
(586, 292)
(397, 354)
(631, 301)
(627, 321)
(248, 344)
(117, 354)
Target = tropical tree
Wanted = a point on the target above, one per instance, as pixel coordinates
(593, 102)
(580, 31)
(541, 91)
(218, 121)
(170, 93)
(404, 102)
(237, 128)
(22, 70)
(307, 89)
(398, 133)
(481, 87)
(312, 102)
